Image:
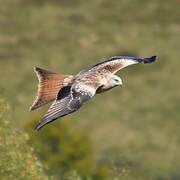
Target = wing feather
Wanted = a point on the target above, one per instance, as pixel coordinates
(68, 101)
(117, 63)
(59, 108)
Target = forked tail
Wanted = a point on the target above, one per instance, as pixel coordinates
(49, 85)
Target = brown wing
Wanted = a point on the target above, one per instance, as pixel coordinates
(69, 100)
(117, 63)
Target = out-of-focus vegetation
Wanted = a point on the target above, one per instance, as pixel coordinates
(65, 149)
(17, 158)
(128, 133)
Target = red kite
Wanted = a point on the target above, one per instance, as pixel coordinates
(69, 92)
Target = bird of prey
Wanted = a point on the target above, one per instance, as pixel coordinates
(70, 92)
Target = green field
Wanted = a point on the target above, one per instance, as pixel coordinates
(128, 133)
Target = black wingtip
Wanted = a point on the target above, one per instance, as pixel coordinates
(43, 123)
(39, 126)
(149, 59)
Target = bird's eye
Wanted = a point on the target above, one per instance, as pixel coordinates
(116, 80)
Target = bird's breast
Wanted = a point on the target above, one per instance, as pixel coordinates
(103, 88)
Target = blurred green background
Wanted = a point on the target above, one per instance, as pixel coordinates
(129, 133)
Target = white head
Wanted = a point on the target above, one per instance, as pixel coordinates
(112, 82)
(116, 80)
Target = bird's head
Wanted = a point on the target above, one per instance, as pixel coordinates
(116, 80)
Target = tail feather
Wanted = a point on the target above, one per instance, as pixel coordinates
(49, 85)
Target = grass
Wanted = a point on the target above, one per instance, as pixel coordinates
(140, 121)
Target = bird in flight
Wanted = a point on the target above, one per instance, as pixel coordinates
(70, 92)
